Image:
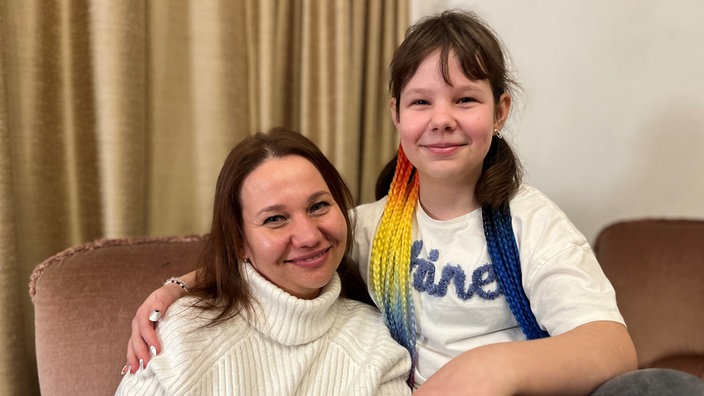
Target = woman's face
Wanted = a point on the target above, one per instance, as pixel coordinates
(295, 233)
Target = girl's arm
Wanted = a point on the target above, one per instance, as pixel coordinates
(573, 363)
(143, 334)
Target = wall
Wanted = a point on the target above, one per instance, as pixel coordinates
(611, 123)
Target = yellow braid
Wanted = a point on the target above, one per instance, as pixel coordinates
(389, 269)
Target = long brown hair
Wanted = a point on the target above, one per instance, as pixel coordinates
(220, 283)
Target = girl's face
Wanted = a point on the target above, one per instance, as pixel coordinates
(294, 230)
(446, 130)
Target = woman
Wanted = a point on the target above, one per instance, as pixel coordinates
(266, 317)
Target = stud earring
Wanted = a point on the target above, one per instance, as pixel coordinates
(246, 260)
(497, 133)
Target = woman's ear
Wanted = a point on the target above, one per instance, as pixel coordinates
(243, 251)
(503, 108)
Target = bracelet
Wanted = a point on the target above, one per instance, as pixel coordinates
(178, 282)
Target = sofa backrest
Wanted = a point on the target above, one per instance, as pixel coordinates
(84, 301)
(657, 269)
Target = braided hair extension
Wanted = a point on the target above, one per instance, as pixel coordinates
(506, 263)
(389, 268)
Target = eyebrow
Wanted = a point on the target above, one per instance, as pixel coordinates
(473, 87)
(279, 207)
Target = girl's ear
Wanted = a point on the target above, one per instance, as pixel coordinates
(502, 110)
(394, 112)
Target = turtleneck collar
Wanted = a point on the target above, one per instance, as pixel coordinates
(287, 319)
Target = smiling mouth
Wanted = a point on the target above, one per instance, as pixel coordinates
(444, 145)
(443, 148)
(309, 259)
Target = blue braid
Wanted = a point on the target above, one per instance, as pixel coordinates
(506, 262)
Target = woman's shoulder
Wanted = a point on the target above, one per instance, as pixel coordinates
(187, 333)
(185, 323)
(361, 319)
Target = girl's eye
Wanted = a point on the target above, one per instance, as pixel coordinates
(420, 102)
(274, 220)
(466, 100)
(320, 207)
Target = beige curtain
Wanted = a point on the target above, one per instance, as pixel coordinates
(117, 115)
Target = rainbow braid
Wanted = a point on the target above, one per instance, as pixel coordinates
(390, 263)
(506, 263)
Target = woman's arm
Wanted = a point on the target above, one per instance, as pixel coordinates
(575, 362)
(143, 334)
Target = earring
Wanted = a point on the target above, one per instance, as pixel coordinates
(246, 260)
(497, 133)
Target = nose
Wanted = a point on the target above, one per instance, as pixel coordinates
(305, 232)
(442, 118)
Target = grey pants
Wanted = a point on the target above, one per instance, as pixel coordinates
(652, 382)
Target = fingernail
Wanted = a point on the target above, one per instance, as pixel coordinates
(124, 370)
(152, 350)
(155, 315)
(141, 364)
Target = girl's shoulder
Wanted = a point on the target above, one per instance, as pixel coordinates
(372, 209)
(531, 201)
(538, 219)
(366, 217)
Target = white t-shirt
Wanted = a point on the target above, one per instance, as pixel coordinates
(456, 299)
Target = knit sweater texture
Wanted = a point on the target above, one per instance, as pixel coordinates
(324, 346)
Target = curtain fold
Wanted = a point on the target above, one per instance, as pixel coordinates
(117, 115)
(118, 57)
(12, 334)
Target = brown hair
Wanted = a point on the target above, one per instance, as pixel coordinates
(220, 283)
(481, 56)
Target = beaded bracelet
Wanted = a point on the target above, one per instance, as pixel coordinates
(178, 282)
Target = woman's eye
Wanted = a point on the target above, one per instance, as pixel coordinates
(320, 207)
(274, 220)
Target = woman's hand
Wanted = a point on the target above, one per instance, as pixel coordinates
(144, 343)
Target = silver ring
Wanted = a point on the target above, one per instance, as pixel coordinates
(155, 315)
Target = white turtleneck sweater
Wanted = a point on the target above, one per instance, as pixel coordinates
(325, 346)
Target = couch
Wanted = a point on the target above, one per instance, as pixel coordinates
(657, 269)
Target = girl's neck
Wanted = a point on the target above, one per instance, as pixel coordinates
(444, 200)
